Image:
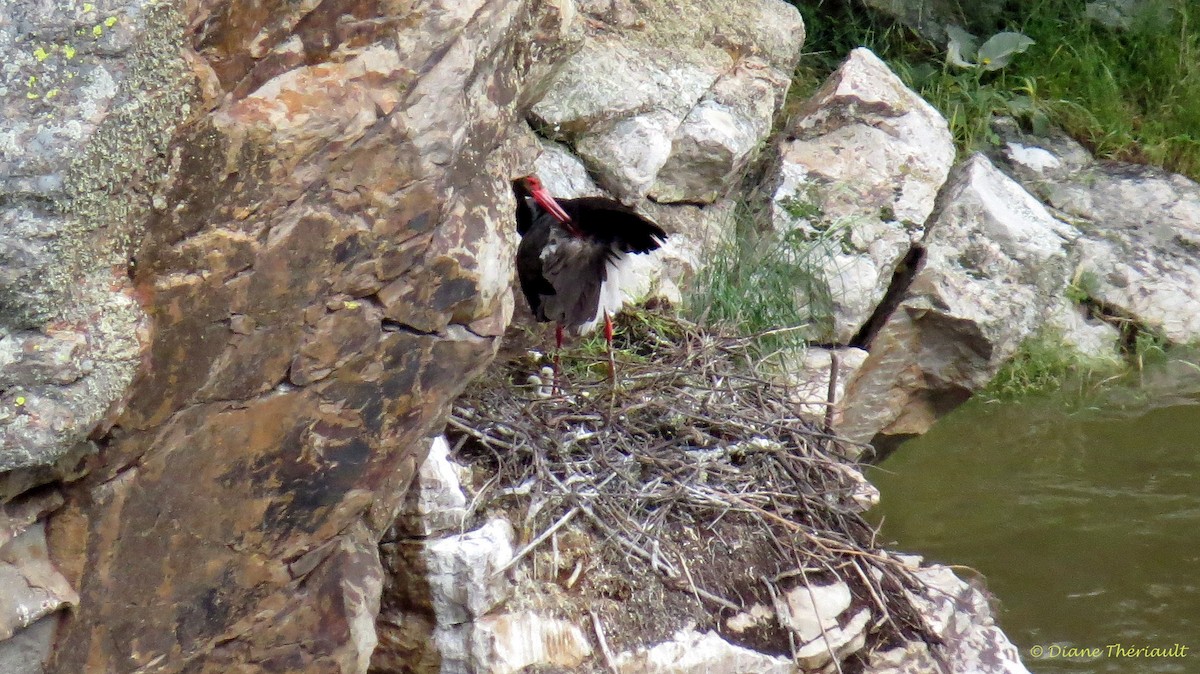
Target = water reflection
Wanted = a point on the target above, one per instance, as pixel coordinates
(1086, 522)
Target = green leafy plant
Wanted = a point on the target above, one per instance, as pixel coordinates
(994, 54)
(1149, 348)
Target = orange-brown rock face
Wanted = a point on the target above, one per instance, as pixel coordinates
(326, 269)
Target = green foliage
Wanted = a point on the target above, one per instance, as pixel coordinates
(1083, 286)
(767, 284)
(1044, 364)
(994, 54)
(639, 331)
(801, 209)
(1127, 94)
(1149, 348)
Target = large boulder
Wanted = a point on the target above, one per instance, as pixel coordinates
(1139, 230)
(959, 613)
(89, 98)
(859, 170)
(995, 264)
(88, 101)
(670, 101)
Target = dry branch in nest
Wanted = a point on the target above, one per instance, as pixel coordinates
(692, 490)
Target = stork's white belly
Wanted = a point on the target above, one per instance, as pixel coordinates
(613, 293)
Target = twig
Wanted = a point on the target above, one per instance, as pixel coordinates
(832, 394)
(609, 660)
(562, 521)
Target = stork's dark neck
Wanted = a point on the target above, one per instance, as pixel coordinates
(526, 208)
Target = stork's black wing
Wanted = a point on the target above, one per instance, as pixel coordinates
(613, 223)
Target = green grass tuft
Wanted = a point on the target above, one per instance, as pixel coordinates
(768, 284)
(1045, 364)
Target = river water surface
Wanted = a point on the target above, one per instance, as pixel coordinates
(1085, 522)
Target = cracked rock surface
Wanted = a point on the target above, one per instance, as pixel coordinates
(248, 253)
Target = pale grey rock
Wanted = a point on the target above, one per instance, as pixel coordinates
(653, 108)
(81, 111)
(563, 174)
(812, 610)
(862, 494)
(836, 643)
(461, 572)
(612, 79)
(69, 466)
(773, 29)
(1039, 162)
(30, 587)
(437, 593)
(755, 616)
(27, 651)
(17, 516)
(995, 264)
(1091, 337)
(696, 234)
(808, 373)
(1138, 247)
(857, 177)
(435, 504)
(692, 652)
(911, 657)
(628, 155)
(58, 386)
(770, 29)
(512, 642)
(717, 138)
(29, 357)
(959, 613)
(815, 615)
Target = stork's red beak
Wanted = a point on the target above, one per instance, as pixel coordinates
(547, 202)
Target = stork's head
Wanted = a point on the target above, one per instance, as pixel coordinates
(541, 196)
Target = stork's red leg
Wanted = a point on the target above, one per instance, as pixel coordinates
(558, 342)
(608, 339)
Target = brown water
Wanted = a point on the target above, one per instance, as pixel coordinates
(1086, 523)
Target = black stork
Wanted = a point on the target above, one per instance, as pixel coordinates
(569, 253)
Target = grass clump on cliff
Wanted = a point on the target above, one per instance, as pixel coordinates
(1044, 364)
(686, 495)
(1127, 93)
(765, 284)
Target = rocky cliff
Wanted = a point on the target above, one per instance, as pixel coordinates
(250, 251)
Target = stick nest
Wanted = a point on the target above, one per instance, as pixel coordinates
(685, 495)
